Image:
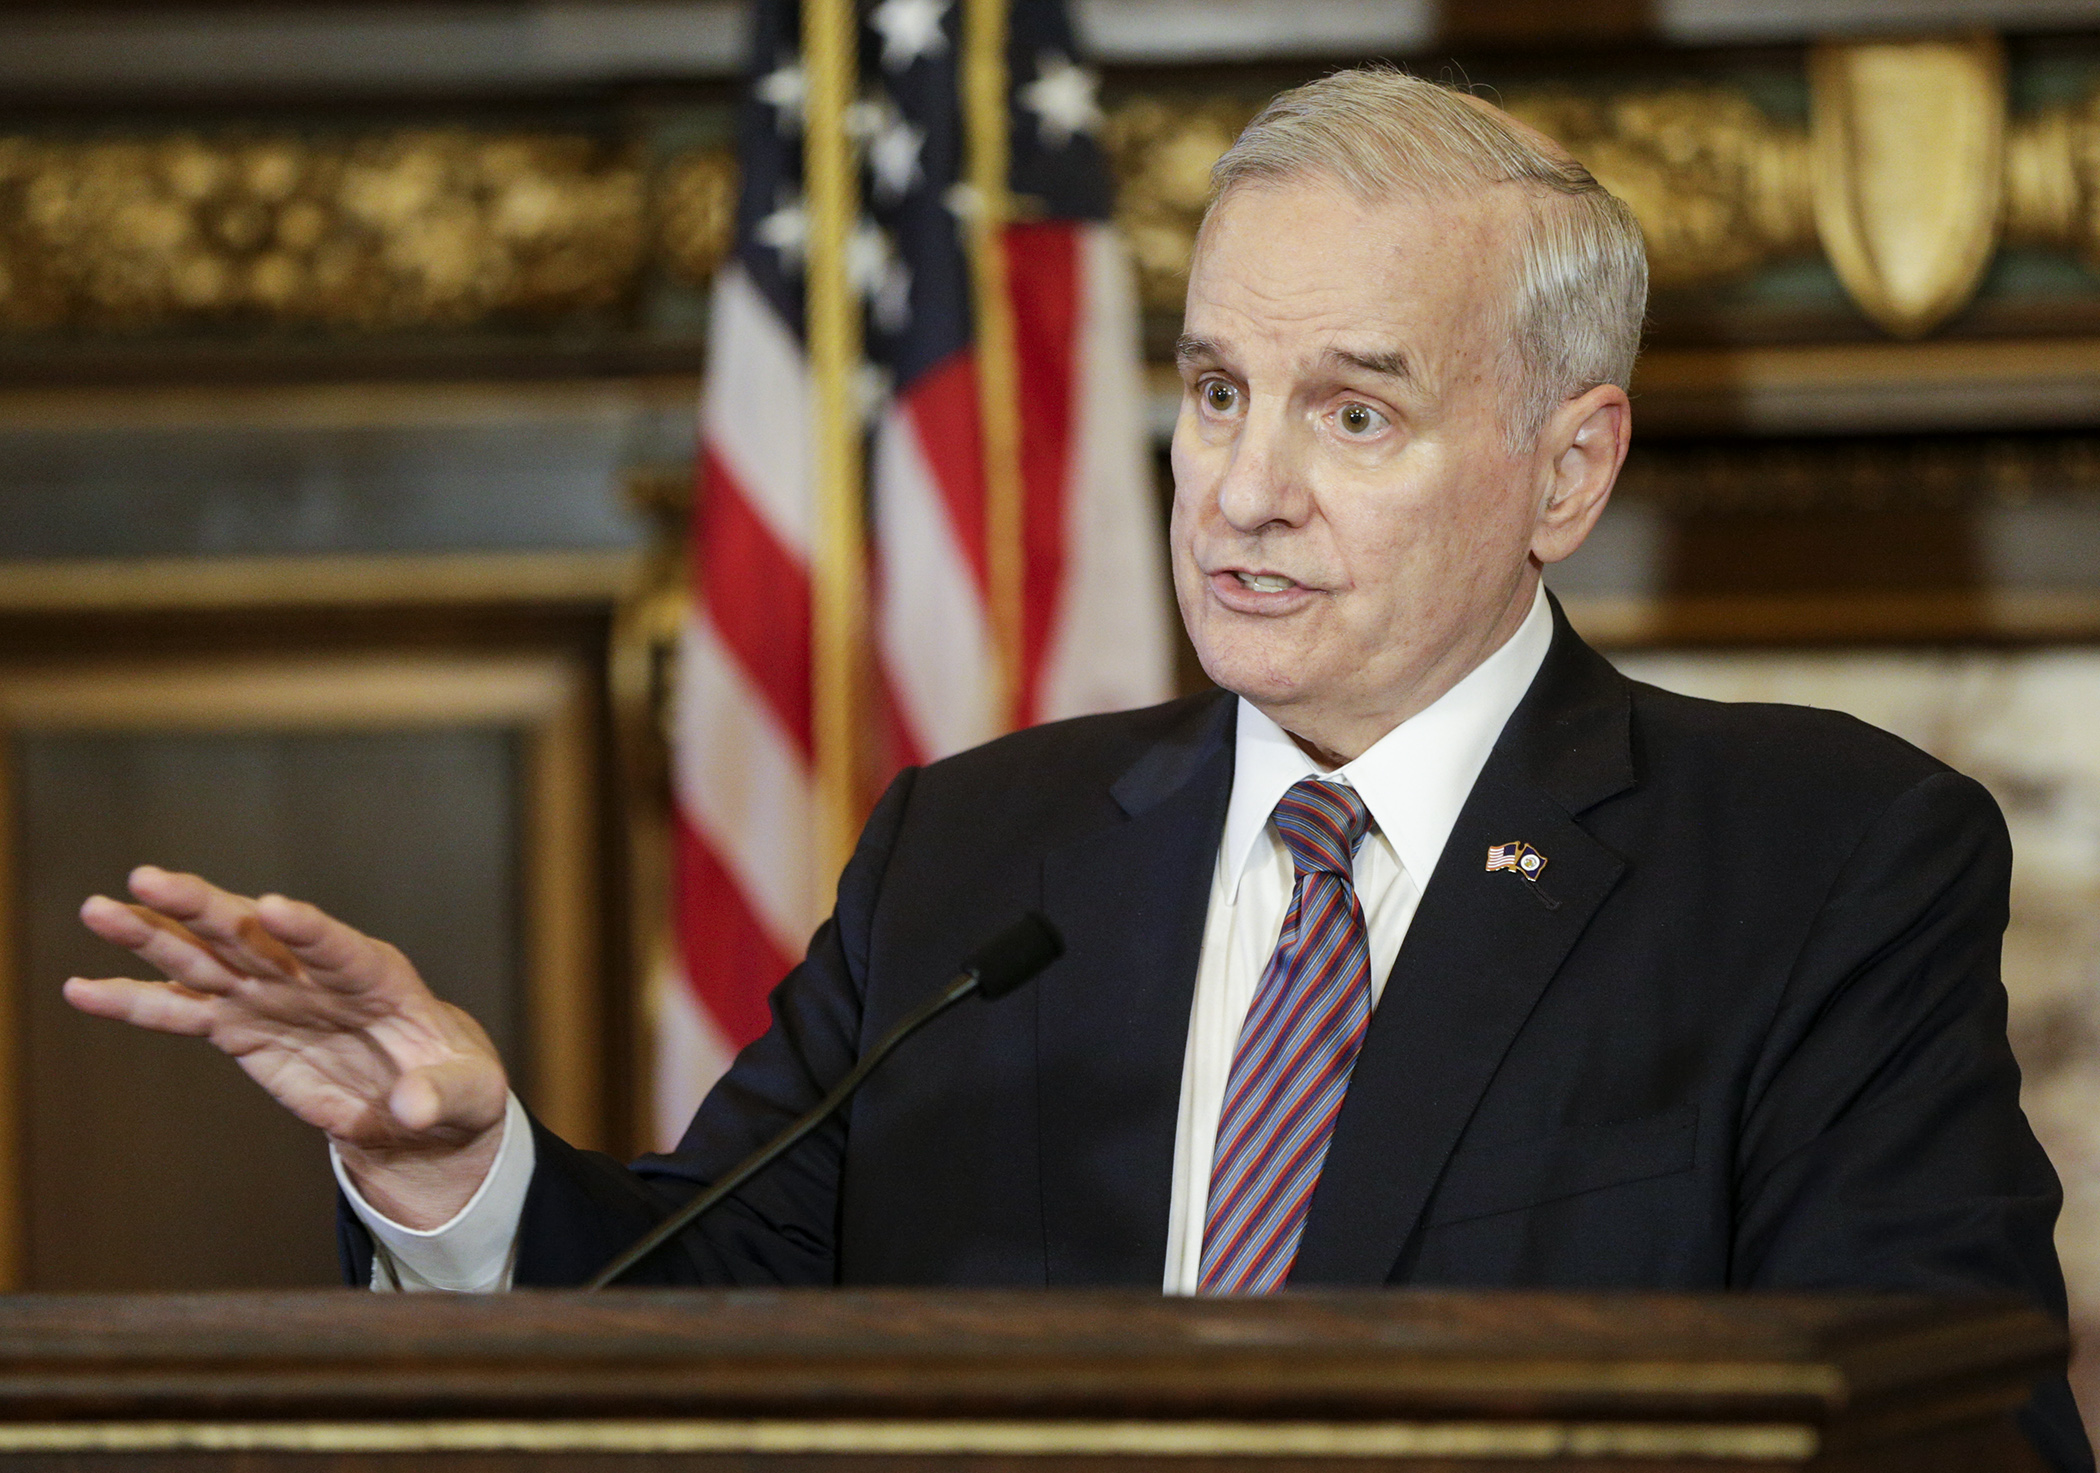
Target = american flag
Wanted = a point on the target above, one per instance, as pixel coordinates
(1095, 632)
(1516, 855)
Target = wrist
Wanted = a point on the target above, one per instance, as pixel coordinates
(426, 1185)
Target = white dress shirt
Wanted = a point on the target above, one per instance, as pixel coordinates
(1414, 781)
(471, 1254)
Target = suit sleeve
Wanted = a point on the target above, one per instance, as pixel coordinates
(1883, 1144)
(584, 1208)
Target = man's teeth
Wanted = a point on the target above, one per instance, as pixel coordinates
(1266, 582)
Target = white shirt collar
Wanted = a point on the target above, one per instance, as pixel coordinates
(1415, 778)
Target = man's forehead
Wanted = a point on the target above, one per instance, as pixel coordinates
(1314, 232)
(1376, 354)
(1333, 281)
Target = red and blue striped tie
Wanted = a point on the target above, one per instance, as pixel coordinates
(1296, 1048)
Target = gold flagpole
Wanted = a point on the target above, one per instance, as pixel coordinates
(998, 374)
(838, 592)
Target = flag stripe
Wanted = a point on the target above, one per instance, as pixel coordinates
(941, 407)
(1093, 601)
(690, 1048)
(757, 599)
(1111, 632)
(1042, 268)
(742, 785)
(732, 961)
(934, 636)
(755, 418)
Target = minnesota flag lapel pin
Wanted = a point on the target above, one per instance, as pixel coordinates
(1517, 856)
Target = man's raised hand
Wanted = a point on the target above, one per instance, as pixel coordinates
(334, 1024)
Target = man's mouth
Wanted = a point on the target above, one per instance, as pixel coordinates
(1265, 582)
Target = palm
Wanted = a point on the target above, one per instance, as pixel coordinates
(334, 1060)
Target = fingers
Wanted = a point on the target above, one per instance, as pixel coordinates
(185, 897)
(319, 942)
(225, 921)
(211, 939)
(208, 936)
(292, 983)
(162, 1007)
(335, 1025)
(167, 944)
(259, 942)
(464, 1094)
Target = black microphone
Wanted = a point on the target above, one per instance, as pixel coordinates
(993, 970)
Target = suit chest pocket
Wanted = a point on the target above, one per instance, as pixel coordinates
(1481, 1181)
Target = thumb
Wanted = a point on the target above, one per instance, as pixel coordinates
(463, 1095)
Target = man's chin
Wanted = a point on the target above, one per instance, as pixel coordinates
(1265, 679)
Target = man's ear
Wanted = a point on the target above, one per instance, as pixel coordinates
(1581, 449)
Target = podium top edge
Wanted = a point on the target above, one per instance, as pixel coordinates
(1093, 1353)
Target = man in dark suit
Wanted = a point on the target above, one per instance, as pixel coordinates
(1427, 951)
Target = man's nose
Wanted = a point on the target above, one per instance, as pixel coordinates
(1264, 482)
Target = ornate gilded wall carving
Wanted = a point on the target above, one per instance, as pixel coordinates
(1907, 145)
(415, 229)
(694, 212)
(1908, 177)
(1162, 149)
(2052, 179)
(1720, 188)
(400, 229)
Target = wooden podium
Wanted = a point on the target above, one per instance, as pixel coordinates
(859, 1382)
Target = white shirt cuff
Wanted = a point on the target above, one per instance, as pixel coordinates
(475, 1251)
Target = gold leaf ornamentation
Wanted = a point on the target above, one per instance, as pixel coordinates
(396, 230)
(1907, 147)
(2052, 179)
(695, 201)
(416, 229)
(1720, 189)
(1162, 149)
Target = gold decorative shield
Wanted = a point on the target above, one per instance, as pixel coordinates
(1908, 150)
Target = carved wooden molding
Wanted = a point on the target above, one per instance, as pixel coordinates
(1720, 189)
(1908, 177)
(1843, 475)
(400, 229)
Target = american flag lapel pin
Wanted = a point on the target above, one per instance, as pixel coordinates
(1516, 856)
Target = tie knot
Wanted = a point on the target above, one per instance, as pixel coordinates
(1321, 823)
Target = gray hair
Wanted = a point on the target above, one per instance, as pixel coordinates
(1581, 270)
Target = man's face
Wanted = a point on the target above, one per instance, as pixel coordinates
(1350, 532)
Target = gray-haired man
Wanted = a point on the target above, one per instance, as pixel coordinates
(1426, 951)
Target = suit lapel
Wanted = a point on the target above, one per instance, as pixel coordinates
(1481, 950)
(1113, 1017)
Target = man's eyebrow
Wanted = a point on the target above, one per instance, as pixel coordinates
(1196, 350)
(1390, 364)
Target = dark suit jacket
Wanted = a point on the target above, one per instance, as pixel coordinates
(1745, 1031)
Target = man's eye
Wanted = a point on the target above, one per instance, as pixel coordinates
(1219, 396)
(1359, 419)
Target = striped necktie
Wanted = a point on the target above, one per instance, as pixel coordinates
(1296, 1048)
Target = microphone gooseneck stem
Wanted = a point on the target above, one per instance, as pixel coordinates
(961, 986)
